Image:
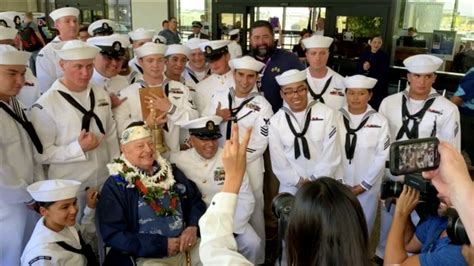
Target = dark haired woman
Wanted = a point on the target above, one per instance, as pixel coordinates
(327, 226)
(298, 49)
(56, 240)
(374, 63)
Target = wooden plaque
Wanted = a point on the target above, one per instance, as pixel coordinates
(144, 93)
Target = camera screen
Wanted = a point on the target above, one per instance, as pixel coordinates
(416, 156)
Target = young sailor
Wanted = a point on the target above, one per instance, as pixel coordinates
(302, 135)
(57, 239)
(364, 144)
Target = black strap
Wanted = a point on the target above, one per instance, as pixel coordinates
(27, 125)
(406, 117)
(320, 96)
(88, 115)
(233, 113)
(351, 144)
(196, 80)
(301, 136)
(85, 250)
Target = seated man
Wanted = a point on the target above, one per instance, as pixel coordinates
(149, 210)
(203, 165)
(429, 243)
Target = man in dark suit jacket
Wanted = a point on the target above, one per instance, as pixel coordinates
(197, 26)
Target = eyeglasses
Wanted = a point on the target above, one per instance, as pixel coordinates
(300, 91)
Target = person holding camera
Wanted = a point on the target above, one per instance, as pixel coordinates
(418, 112)
(429, 243)
(453, 182)
(364, 144)
(302, 135)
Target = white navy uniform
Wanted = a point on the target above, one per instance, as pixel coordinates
(323, 144)
(47, 64)
(255, 113)
(235, 50)
(136, 73)
(18, 170)
(183, 110)
(43, 249)
(209, 176)
(59, 124)
(441, 120)
(111, 85)
(333, 91)
(192, 78)
(367, 163)
(30, 92)
(210, 85)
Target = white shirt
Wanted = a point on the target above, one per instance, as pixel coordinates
(42, 248)
(442, 117)
(322, 142)
(18, 165)
(235, 50)
(30, 92)
(209, 178)
(334, 96)
(130, 110)
(47, 64)
(192, 78)
(59, 124)
(111, 85)
(255, 114)
(371, 150)
(210, 85)
(218, 246)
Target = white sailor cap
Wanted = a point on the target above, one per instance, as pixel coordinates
(246, 62)
(8, 33)
(317, 41)
(64, 12)
(150, 48)
(135, 132)
(234, 32)
(359, 82)
(422, 63)
(11, 56)
(112, 45)
(54, 190)
(10, 19)
(102, 27)
(159, 39)
(141, 34)
(205, 127)
(77, 50)
(178, 49)
(291, 76)
(195, 42)
(213, 50)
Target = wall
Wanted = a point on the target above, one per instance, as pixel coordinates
(149, 13)
(18, 5)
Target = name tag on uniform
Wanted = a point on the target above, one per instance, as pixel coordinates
(176, 91)
(219, 175)
(102, 102)
(372, 126)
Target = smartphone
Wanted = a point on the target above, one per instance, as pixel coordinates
(414, 156)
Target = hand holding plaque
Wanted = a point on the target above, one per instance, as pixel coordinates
(153, 104)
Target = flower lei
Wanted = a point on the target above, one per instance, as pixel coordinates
(152, 187)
